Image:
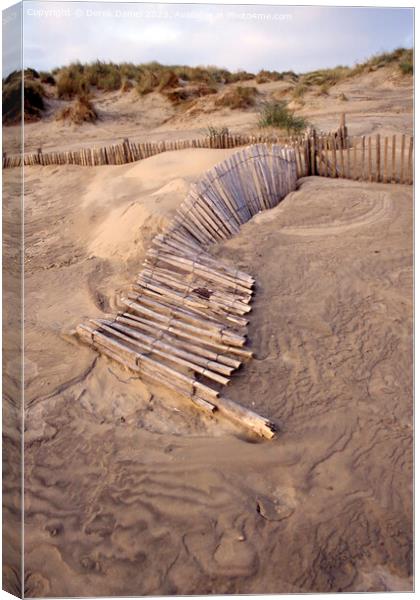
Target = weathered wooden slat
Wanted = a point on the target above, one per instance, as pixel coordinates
(378, 157)
(394, 165)
(402, 156)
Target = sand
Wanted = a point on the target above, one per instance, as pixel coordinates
(377, 102)
(131, 491)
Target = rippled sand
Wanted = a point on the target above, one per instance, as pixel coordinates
(129, 490)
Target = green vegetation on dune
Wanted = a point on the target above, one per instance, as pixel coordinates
(238, 97)
(327, 78)
(80, 111)
(277, 115)
(34, 94)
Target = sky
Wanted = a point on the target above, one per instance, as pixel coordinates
(250, 37)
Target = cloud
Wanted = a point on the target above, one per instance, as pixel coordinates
(234, 36)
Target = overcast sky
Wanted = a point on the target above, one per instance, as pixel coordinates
(236, 37)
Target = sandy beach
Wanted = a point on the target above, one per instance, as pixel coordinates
(129, 490)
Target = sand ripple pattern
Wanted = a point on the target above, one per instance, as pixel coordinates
(124, 499)
(361, 213)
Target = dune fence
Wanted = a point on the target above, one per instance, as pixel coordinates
(128, 151)
(183, 324)
(363, 158)
(375, 158)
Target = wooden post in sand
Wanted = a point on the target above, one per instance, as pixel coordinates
(354, 171)
(348, 174)
(393, 152)
(341, 156)
(313, 152)
(126, 150)
(410, 161)
(343, 133)
(385, 177)
(402, 158)
(334, 156)
(378, 157)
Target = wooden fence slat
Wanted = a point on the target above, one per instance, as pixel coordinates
(347, 146)
(410, 161)
(354, 165)
(326, 157)
(319, 156)
(299, 158)
(385, 178)
(369, 159)
(402, 158)
(363, 170)
(378, 157)
(341, 155)
(393, 151)
(313, 157)
(334, 156)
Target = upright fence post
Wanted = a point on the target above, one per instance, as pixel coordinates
(410, 161)
(341, 155)
(394, 171)
(334, 156)
(343, 130)
(369, 158)
(354, 142)
(402, 158)
(378, 157)
(307, 155)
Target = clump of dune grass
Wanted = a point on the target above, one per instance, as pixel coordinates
(71, 81)
(278, 115)
(189, 93)
(213, 131)
(168, 79)
(240, 76)
(300, 90)
(238, 97)
(80, 111)
(104, 76)
(342, 97)
(326, 77)
(126, 85)
(383, 59)
(46, 78)
(406, 67)
(405, 63)
(146, 82)
(33, 98)
(265, 76)
(324, 89)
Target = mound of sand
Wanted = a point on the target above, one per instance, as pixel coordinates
(118, 501)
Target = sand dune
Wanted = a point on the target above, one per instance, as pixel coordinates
(376, 102)
(131, 491)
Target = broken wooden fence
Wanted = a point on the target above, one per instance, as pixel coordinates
(183, 324)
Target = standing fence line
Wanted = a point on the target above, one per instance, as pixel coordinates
(128, 151)
(374, 158)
